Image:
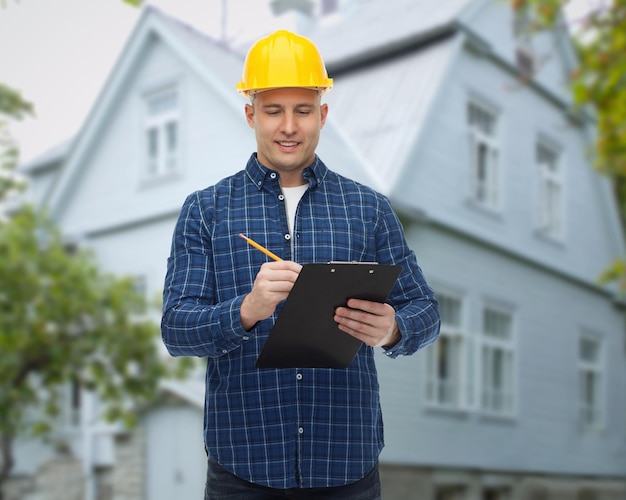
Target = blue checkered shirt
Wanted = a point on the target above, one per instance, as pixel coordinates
(285, 428)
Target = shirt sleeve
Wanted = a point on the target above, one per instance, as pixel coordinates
(193, 324)
(417, 310)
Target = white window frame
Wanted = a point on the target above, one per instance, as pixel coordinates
(591, 413)
(497, 401)
(71, 402)
(551, 190)
(484, 156)
(163, 161)
(455, 392)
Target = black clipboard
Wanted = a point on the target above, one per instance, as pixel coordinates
(305, 334)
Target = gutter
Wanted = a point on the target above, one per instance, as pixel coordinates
(421, 216)
(391, 50)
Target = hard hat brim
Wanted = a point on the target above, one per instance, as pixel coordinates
(247, 92)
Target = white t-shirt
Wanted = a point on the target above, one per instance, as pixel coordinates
(292, 198)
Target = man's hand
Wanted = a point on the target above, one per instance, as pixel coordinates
(371, 322)
(272, 284)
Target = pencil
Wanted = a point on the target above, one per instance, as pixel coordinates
(259, 247)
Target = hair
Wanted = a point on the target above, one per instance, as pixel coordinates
(253, 93)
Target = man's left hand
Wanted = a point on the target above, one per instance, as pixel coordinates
(371, 322)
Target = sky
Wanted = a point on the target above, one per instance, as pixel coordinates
(59, 53)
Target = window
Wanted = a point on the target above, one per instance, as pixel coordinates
(550, 216)
(497, 358)
(162, 132)
(446, 357)
(524, 52)
(590, 381)
(75, 403)
(70, 405)
(484, 168)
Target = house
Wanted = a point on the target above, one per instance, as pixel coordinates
(462, 117)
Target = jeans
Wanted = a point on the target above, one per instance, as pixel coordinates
(222, 485)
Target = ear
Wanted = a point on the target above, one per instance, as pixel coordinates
(249, 111)
(323, 114)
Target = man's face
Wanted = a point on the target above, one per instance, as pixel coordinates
(287, 124)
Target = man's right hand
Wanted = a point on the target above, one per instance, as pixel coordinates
(272, 284)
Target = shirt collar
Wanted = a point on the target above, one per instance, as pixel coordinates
(260, 174)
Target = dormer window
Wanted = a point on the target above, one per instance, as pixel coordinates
(161, 127)
(524, 53)
(550, 180)
(484, 155)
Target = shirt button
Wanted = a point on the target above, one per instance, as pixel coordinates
(301, 430)
(281, 197)
(273, 175)
(224, 351)
(246, 338)
(299, 376)
(287, 236)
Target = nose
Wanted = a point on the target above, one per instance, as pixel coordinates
(289, 125)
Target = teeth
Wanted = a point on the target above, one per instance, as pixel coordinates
(287, 144)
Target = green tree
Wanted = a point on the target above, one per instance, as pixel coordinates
(12, 106)
(63, 321)
(599, 82)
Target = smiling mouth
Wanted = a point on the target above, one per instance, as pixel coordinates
(287, 144)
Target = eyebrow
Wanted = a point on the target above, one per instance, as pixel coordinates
(280, 106)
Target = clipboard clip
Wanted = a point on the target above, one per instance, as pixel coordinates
(339, 262)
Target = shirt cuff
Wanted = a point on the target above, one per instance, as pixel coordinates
(232, 329)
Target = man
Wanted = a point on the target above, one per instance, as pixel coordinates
(288, 433)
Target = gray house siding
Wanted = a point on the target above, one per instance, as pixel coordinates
(441, 176)
(544, 434)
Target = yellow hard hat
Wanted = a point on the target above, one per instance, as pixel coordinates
(283, 59)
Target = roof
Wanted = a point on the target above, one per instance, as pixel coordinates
(397, 68)
(48, 158)
(390, 102)
(414, 20)
(390, 26)
(223, 63)
(215, 64)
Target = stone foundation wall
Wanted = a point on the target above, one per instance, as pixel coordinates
(63, 479)
(60, 479)
(415, 483)
(130, 465)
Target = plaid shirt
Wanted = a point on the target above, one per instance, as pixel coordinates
(285, 428)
